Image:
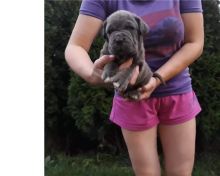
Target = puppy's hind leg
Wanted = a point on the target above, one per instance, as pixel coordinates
(132, 94)
(122, 78)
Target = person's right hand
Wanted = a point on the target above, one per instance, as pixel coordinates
(95, 78)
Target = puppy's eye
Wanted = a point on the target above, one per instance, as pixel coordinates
(110, 31)
(130, 28)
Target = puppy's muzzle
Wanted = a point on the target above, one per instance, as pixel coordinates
(121, 43)
(119, 37)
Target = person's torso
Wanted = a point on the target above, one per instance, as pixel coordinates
(166, 37)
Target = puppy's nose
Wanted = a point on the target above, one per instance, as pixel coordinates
(119, 39)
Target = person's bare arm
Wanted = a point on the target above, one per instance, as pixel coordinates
(76, 53)
(190, 51)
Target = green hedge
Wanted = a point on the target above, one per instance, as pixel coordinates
(206, 80)
(60, 17)
(76, 114)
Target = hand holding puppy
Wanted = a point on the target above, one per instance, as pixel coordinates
(99, 65)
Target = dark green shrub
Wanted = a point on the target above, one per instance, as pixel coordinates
(206, 79)
(76, 114)
(59, 19)
(90, 107)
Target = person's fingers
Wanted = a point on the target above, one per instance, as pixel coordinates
(103, 60)
(98, 72)
(134, 75)
(148, 86)
(144, 96)
(126, 64)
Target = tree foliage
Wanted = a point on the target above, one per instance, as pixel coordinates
(76, 114)
(60, 17)
(206, 78)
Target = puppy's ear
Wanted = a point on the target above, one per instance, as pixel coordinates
(104, 34)
(143, 27)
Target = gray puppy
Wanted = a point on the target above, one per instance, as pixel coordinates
(124, 32)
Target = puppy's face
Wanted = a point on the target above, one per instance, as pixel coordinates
(124, 31)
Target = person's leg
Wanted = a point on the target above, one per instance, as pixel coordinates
(178, 142)
(142, 149)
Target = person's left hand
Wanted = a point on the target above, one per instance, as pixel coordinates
(147, 89)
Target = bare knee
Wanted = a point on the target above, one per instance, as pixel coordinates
(142, 152)
(146, 169)
(147, 172)
(182, 167)
(178, 172)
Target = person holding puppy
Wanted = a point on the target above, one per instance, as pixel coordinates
(174, 41)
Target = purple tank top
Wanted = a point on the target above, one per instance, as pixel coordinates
(166, 34)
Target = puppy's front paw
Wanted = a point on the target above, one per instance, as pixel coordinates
(106, 76)
(122, 85)
(116, 85)
(120, 81)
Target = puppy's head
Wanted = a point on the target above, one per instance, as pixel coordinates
(124, 33)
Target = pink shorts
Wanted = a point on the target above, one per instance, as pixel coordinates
(144, 114)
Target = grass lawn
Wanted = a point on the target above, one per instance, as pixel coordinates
(108, 165)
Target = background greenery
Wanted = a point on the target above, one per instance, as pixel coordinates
(109, 165)
(76, 114)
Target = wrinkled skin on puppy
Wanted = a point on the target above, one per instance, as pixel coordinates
(124, 33)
